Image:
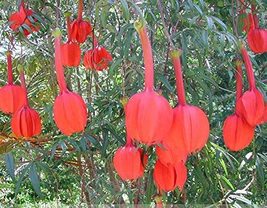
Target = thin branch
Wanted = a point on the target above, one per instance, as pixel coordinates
(164, 25)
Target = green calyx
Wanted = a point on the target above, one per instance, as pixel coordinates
(20, 68)
(56, 33)
(238, 62)
(8, 53)
(139, 24)
(67, 14)
(124, 101)
(175, 53)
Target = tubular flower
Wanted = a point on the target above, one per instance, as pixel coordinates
(168, 177)
(12, 97)
(25, 121)
(70, 113)
(128, 161)
(191, 126)
(148, 114)
(97, 58)
(22, 19)
(251, 104)
(257, 37)
(237, 133)
(70, 51)
(80, 29)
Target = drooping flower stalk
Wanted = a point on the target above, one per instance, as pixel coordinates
(58, 62)
(147, 53)
(80, 10)
(175, 56)
(23, 85)
(9, 68)
(239, 80)
(249, 69)
(68, 27)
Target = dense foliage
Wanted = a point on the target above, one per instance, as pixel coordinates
(53, 168)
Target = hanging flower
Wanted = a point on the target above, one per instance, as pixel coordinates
(22, 19)
(25, 121)
(237, 133)
(80, 29)
(191, 125)
(257, 37)
(70, 112)
(251, 104)
(97, 58)
(168, 177)
(129, 161)
(71, 52)
(148, 115)
(12, 97)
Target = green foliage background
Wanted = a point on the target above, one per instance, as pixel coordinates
(77, 170)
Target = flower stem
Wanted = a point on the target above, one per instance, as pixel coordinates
(23, 85)
(58, 63)
(175, 56)
(249, 69)
(239, 82)
(68, 28)
(80, 9)
(147, 54)
(9, 68)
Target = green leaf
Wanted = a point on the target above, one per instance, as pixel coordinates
(34, 178)
(10, 165)
(125, 9)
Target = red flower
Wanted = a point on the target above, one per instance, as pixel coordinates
(97, 58)
(128, 161)
(191, 125)
(80, 29)
(148, 114)
(21, 19)
(70, 113)
(71, 52)
(168, 177)
(251, 104)
(12, 96)
(26, 121)
(257, 37)
(237, 133)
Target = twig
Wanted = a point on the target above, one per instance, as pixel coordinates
(164, 25)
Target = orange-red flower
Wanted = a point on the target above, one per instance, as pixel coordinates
(251, 104)
(80, 29)
(129, 161)
(12, 97)
(257, 37)
(237, 133)
(22, 19)
(25, 121)
(191, 125)
(168, 177)
(97, 58)
(148, 115)
(70, 112)
(70, 51)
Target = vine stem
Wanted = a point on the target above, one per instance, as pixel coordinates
(147, 54)
(175, 56)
